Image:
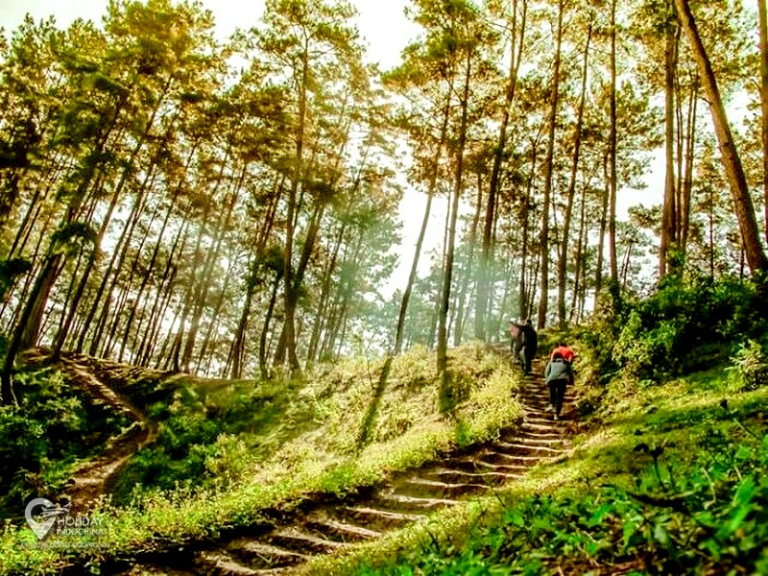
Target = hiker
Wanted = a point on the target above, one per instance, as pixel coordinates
(516, 340)
(530, 342)
(565, 351)
(557, 375)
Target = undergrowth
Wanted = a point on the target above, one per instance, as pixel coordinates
(227, 452)
(671, 476)
(675, 482)
(45, 437)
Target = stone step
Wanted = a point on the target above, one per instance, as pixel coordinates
(548, 420)
(479, 464)
(539, 434)
(217, 563)
(538, 412)
(415, 503)
(332, 529)
(299, 541)
(526, 448)
(264, 555)
(494, 477)
(535, 440)
(501, 458)
(529, 404)
(539, 402)
(524, 459)
(377, 518)
(542, 428)
(440, 488)
(541, 399)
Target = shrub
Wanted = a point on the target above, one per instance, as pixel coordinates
(685, 324)
(750, 366)
(43, 438)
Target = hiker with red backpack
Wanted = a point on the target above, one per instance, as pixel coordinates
(558, 374)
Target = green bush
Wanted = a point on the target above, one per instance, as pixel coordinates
(42, 439)
(750, 366)
(196, 433)
(686, 324)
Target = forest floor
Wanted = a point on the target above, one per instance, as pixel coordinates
(432, 493)
(90, 482)
(216, 459)
(326, 525)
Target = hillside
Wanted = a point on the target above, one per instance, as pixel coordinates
(660, 479)
(231, 454)
(267, 307)
(656, 467)
(668, 479)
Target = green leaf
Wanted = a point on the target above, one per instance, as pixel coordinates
(662, 536)
(599, 514)
(630, 527)
(515, 518)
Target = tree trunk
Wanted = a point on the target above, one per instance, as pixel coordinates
(603, 226)
(135, 268)
(237, 352)
(525, 218)
(563, 260)
(742, 200)
(29, 323)
(548, 169)
(29, 278)
(761, 11)
(612, 184)
(143, 355)
(442, 339)
(321, 319)
(685, 208)
(216, 315)
(289, 298)
(498, 153)
(669, 214)
(265, 330)
(461, 308)
(581, 248)
(432, 187)
(201, 294)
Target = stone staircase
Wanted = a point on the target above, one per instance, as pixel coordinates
(329, 527)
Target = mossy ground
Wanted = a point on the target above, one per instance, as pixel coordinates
(229, 450)
(670, 479)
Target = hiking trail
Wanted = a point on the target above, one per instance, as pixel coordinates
(290, 539)
(94, 478)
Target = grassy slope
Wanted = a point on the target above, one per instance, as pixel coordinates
(666, 481)
(230, 451)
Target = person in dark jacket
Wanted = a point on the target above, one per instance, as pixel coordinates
(530, 344)
(557, 375)
(515, 340)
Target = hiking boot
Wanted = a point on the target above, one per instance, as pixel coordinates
(557, 417)
(549, 408)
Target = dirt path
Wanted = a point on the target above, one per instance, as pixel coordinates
(328, 527)
(94, 478)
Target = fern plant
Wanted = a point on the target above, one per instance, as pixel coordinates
(750, 368)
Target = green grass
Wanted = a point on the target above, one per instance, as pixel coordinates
(274, 444)
(53, 430)
(667, 481)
